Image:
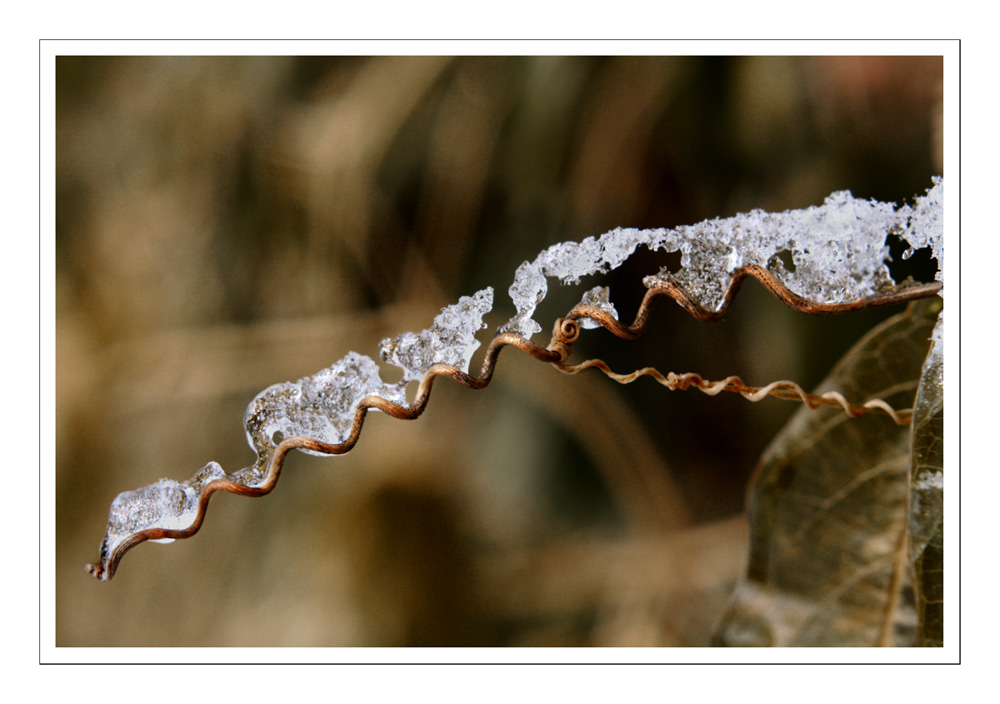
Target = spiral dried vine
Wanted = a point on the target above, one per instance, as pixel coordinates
(566, 332)
(839, 249)
(111, 555)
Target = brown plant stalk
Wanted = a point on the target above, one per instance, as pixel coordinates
(105, 570)
(900, 293)
(566, 332)
(787, 390)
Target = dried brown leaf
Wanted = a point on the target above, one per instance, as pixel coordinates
(828, 563)
(926, 513)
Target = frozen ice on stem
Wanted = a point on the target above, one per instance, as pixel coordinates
(166, 504)
(838, 252)
(527, 291)
(450, 340)
(321, 406)
(838, 249)
(568, 262)
(599, 296)
(926, 224)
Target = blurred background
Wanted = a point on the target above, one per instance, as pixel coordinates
(227, 223)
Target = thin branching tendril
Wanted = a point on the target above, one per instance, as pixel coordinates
(567, 330)
(787, 390)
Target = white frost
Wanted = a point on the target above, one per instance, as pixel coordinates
(926, 224)
(450, 340)
(599, 296)
(568, 261)
(323, 406)
(929, 480)
(838, 252)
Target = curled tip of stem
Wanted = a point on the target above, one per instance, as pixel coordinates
(564, 334)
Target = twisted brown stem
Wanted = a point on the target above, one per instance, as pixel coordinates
(900, 293)
(105, 570)
(787, 390)
(565, 334)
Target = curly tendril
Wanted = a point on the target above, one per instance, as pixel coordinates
(565, 334)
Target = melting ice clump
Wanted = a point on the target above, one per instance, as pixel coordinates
(450, 340)
(838, 252)
(926, 226)
(321, 406)
(599, 296)
(568, 261)
(165, 504)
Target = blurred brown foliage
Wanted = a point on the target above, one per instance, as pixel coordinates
(225, 223)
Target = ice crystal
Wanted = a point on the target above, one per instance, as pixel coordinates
(926, 224)
(450, 340)
(599, 296)
(527, 291)
(165, 504)
(838, 252)
(927, 480)
(568, 261)
(321, 406)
